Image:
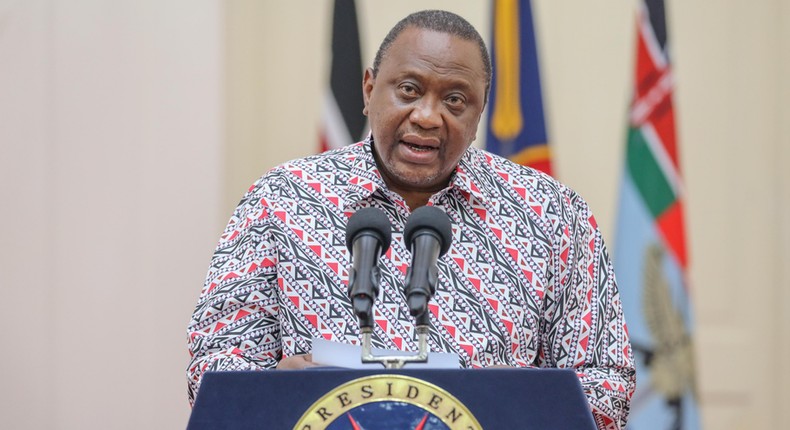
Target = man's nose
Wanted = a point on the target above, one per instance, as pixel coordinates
(427, 113)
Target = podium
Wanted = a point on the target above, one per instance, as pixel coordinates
(334, 398)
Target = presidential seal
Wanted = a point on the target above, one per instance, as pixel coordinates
(394, 402)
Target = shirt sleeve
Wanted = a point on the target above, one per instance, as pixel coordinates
(235, 325)
(585, 326)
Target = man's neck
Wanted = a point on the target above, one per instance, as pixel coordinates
(416, 200)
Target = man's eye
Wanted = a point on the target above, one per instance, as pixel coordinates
(455, 101)
(409, 90)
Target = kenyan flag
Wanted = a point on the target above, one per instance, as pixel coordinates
(650, 250)
(342, 120)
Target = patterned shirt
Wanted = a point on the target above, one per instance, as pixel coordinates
(527, 281)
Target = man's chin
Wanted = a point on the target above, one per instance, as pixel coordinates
(419, 181)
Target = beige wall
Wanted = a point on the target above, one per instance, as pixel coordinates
(110, 132)
(129, 129)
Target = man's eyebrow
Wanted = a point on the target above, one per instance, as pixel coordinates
(452, 82)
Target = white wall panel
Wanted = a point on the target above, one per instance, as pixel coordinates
(111, 140)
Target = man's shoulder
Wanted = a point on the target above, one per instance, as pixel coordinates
(533, 185)
(332, 165)
(340, 157)
(515, 174)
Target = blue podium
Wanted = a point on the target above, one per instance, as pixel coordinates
(337, 399)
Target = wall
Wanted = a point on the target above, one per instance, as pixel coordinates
(733, 120)
(110, 132)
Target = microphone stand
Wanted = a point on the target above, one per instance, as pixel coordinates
(419, 308)
(363, 308)
(395, 361)
(431, 239)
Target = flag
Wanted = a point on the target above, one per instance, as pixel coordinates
(516, 126)
(650, 249)
(343, 122)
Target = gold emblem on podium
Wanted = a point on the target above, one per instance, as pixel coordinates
(393, 402)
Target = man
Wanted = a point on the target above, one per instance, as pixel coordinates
(527, 281)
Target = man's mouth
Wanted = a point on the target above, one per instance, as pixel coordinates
(419, 148)
(419, 143)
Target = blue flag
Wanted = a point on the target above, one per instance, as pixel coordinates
(516, 126)
(650, 251)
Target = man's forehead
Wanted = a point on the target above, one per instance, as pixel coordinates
(448, 48)
(412, 35)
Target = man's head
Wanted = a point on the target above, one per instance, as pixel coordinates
(442, 22)
(424, 96)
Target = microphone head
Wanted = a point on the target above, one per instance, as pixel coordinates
(371, 220)
(433, 218)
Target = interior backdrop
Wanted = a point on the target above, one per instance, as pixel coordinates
(129, 130)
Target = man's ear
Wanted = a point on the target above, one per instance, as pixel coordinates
(367, 88)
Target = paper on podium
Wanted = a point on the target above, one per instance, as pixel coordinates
(350, 356)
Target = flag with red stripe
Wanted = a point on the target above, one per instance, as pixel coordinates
(343, 122)
(650, 250)
(516, 125)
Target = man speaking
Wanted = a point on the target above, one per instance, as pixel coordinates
(526, 282)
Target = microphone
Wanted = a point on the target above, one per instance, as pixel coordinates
(368, 236)
(428, 234)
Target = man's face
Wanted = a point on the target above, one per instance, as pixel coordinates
(424, 107)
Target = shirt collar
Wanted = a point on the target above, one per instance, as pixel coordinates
(469, 177)
(365, 178)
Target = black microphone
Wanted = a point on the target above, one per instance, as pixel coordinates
(428, 234)
(368, 236)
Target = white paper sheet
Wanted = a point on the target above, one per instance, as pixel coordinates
(350, 356)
